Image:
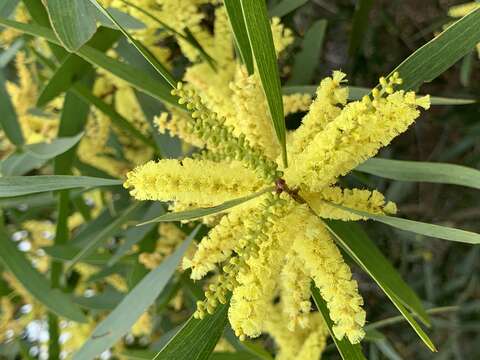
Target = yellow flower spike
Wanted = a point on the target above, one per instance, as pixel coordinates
(258, 277)
(322, 111)
(324, 263)
(252, 115)
(217, 246)
(372, 202)
(304, 344)
(463, 9)
(282, 36)
(355, 135)
(202, 182)
(296, 102)
(295, 285)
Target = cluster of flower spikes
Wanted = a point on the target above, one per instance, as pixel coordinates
(286, 244)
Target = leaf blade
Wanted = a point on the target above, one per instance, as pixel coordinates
(35, 283)
(422, 171)
(120, 320)
(73, 21)
(261, 42)
(23, 185)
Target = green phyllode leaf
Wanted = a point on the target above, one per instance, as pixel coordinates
(120, 320)
(73, 21)
(34, 282)
(261, 42)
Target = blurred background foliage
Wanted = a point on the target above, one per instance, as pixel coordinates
(365, 42)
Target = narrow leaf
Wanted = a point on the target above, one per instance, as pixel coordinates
(104, 234)
(8, 119)
(74, 67)
(201, 212)
(56, 147)
(285, 7)
(422, 171)
(35, 283)
(347, 350)
(306, 61)
(417, 227)
(73, 21)
(436, 56)
(240, 34)
(24, 185)
(361, 20)
(161, 69)
(120, 320)
(261, 42)
(197, 338)
(137, 78)
(7, 7)
(353, 239)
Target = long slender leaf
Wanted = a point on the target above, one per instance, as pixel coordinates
(7, 7)
(347, 350)
(120, 320)
(197, 338)
(8, 120)
(35, 283)
(417, 227)
(359, 25)
(240, 34)
(357, 92)
(306, 60)
(161, 69)
(9, 54)
(35, 155)
(73, 21)
(422, 171)
(261, 42)
(110, 111)
(74, 67)
(436, 56)
(105, 233)
(56, 147)
(24, 185)
(135, 77)
(136, 234)
(201, 212)
(285, 7)
(353, 239)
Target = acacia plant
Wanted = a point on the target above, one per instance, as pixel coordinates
(157, 202)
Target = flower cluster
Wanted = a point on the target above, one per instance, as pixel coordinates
(273, 246)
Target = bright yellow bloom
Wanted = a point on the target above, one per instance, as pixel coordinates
(324, 263)
(305, 344)
(355, 135)
(372, 202)
(200, 182)
(272, 247)
(296, 102)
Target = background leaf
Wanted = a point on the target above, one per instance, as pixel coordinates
(23, 185)
(436, 56)
(240, 34)
(261, 42)
(35, 283)
(8, 120)
(73, 21)
(120, 320)
(197, 338)
(422, 171)
(285, 7)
